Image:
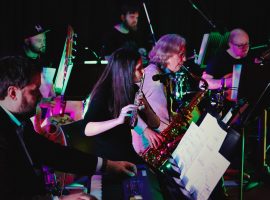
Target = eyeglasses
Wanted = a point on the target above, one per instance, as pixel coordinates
(182, 54)
(241, 46)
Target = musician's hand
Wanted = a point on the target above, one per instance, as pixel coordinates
(228, 87)
(37, 121)
(47, 103)
(228, 80)
(122, 167)
(228, 75)
(153, 138)
(125, 112)
(78, 196)
(59, 101)
(140, 101)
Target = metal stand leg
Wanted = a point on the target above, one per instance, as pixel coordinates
(265, 130)
(262, 140)
(261, 166)
(242, 165)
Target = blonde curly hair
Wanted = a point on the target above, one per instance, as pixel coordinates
(165, 47)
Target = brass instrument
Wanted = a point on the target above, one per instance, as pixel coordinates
(175, 130)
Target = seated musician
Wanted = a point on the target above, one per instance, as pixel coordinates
(219, 69)
(169, 52)
(219, 75)
(167, 56)
(33, 47)
(111, 105)
(23, 152)
(52, 106)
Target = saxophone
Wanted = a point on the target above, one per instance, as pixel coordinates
(174, 131)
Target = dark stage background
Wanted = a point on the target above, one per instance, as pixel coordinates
(91, 18)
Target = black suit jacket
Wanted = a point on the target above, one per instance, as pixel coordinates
(19, 179)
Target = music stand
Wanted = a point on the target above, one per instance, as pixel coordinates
(211, 44)
(261, 104)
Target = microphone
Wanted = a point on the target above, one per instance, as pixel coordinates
(159, 77)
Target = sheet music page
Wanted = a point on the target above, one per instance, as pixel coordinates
(189, 147)
(204, 174)
(197, 156)
(212, 130)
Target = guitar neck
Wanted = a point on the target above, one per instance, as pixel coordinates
(66, 64)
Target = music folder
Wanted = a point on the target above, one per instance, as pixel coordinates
(204, 154)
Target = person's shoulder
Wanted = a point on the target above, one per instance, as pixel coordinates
(110, 31)
(219, 56)
(152, 68)
(117, 28)
(249, 58)
(3, 114)
(6, 122)
(14, 52)
(108, 38)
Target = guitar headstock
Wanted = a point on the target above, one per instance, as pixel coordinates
(70, 43)
(66, 62)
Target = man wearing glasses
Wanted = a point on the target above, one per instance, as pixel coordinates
(219, 75)
(219, 70)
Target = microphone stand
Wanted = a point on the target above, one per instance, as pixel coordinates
(202, 14)
(149, 22)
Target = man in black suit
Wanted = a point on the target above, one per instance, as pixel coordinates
(23, 151)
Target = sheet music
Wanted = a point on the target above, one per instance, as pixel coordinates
(212, 130)
(198, 158)
(205, 173)
(189, 147)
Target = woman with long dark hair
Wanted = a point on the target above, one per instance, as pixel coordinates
(111, 103)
